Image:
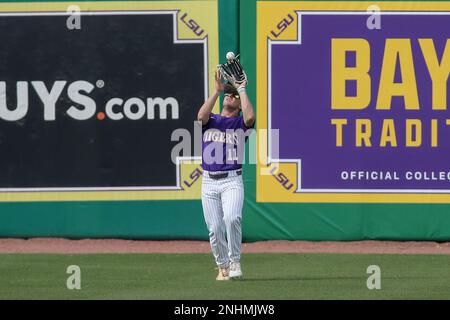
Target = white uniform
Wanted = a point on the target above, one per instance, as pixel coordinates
(223, 198)
(222, 202)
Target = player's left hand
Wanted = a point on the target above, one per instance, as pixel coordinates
(240, 85)
(233, 72)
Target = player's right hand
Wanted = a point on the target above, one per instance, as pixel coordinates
(219, 85)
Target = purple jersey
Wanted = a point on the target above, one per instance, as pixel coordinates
(223, 143)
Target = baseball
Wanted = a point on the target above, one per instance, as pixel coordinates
(230, 55)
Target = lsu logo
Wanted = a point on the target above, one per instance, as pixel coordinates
(282, 25)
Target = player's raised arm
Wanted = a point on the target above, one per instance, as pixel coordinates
(205, 110)
(235, 74)
(247, 107)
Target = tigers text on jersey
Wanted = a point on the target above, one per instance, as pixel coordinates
(222, 137)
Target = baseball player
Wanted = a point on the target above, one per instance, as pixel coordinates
(222, 186)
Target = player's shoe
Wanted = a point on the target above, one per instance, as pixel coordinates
(235, 270)
(223, 274)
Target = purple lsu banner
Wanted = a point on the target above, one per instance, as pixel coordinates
(359, 94)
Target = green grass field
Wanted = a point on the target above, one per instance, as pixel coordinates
(192, 276)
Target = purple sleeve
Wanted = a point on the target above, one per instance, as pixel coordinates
(211, 118)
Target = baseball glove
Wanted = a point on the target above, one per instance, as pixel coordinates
(233, 71)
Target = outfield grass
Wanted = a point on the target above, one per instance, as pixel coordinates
(192, 276)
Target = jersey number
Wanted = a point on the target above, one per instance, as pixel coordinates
(232, 155)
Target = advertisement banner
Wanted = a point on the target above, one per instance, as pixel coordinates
(359, 94)
(90, 96)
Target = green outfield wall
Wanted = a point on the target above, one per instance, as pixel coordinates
(84, 174)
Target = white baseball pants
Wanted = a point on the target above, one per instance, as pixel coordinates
(222, 202)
